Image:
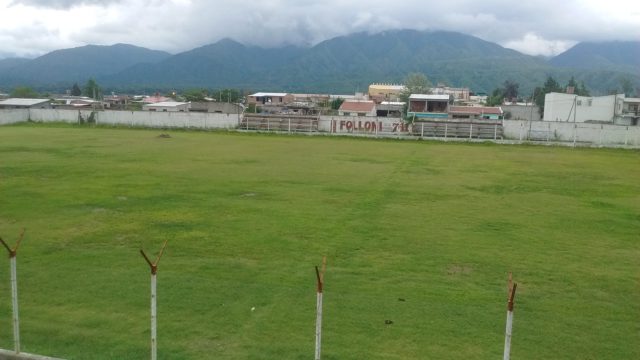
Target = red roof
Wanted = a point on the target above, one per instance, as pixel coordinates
(475, 110)
(358, 106)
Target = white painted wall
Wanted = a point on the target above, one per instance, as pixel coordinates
(12, 116)
(560, 107)
(598, 134)
(168, 119)
(58, 115)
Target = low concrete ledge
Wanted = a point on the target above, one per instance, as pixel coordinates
(11, 355)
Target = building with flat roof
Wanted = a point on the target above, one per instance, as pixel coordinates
(428, 106)
(266, 98)
(20, 103)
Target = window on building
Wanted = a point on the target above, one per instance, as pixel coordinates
(579, 102)
(589, 102)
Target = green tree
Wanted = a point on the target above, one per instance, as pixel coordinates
(550, 85)
(226, 95)
(510, 90)
(75, 90)
(92, 89)
(415, 83)
(24, 92)
(496, 98)
(582, 90)
(336, 103)
(196, 95)
(627, 87)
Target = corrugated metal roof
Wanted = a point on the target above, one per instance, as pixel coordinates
(428, 97)
(22, 102)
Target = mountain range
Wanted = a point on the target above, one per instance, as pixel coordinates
(341, 65)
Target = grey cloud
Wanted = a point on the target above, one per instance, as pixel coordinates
(180, 25)
(62, 4)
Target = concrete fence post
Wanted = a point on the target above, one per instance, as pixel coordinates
(14, 290)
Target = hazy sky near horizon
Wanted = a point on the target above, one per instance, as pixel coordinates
(30, 28)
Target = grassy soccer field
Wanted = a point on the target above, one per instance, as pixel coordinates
(417, 233)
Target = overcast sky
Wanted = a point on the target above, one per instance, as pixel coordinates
(546, 27)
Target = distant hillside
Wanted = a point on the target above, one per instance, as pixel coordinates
(613, 55)
(341, 65)
(9, 63)
(79, 64)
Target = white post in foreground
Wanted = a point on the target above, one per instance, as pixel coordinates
(154, 270)
(14, 291)
(320, 283)
(507, 339)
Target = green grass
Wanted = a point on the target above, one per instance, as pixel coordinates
(248, 216)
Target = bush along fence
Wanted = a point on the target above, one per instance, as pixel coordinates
(501, 131)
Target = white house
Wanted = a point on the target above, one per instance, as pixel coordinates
(574, 108)
(167, 106)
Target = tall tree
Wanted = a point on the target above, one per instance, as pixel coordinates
(92, 89)
(582, 90)
(75, 90)
(510, 89)
(550, 85)
(496, 98)
(415, 83)
(627, 87)
(24, 92)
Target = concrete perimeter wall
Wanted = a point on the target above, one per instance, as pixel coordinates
(126, 118)
(12, 116)
(553, 131)
(198, 120)
(57, 115)
(513, 130)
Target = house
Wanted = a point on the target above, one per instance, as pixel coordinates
(20, 103)
(116, 101)
(630, 112)
(390, 108)
(476, 112)
(575, 108)
(357, 108)
(265, 98)
(167, 106)
(427, 106)
(385, 92)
